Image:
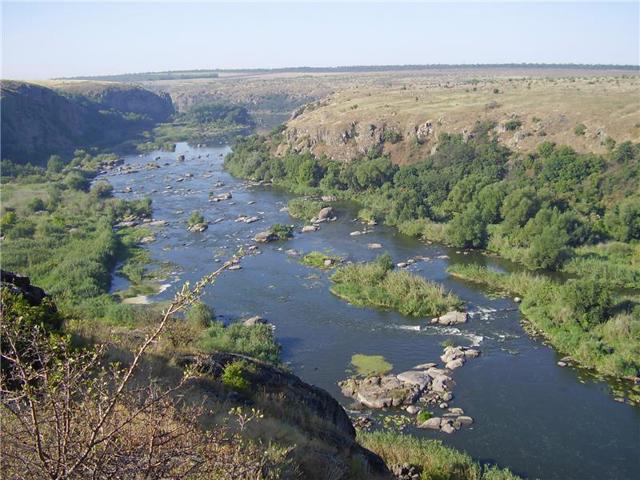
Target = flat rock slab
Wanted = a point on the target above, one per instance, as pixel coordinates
(415, 377)
(451, 318)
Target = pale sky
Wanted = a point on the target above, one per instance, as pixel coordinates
(43, 40)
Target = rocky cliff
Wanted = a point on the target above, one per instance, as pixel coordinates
(406, 121)
(38, 121)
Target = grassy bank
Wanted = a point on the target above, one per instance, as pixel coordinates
(59, 231)
(582, 318)
(433, 459)
(377, 284)
(320, 260)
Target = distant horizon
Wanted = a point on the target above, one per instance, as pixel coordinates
(66, 40)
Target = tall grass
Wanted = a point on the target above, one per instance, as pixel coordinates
(433, 459)
(370, 284)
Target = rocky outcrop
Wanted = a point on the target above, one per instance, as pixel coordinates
(22, 285)
(451, 318)
(414, 389)
(305, 407)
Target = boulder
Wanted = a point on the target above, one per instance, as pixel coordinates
(424, 366)
(453, 364)
(412, 409)
(328, 198)
(264, 237)
(451, 318)
(447, 427)
(198, 227)
(374, 246)
(380, 392)
(255, 320)
(465, 420)
(325, 213)
(309, 228)
(328, 262)
(456, 411)
(415, 377)
(440, 383)
(432, 423)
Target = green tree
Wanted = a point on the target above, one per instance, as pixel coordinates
(590, 301)
(55, 164)
(468, 229)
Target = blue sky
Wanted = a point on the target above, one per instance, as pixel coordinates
(41, 40)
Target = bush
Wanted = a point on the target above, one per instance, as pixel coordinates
(423, 416)
(195, 218)
(580, 129)
(36, 205)
(282, 232)
(318, 259)
(513, 124)
(589, 300)
(200, 315)
(76, 181)
(235, 375)
(102, 189)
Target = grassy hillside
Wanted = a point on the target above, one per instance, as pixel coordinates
(406, 120)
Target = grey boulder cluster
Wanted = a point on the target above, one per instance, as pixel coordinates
(425, 384)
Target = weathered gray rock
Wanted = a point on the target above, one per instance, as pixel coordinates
(465, 420)
(198, 227)
(412, 409)
(264, 237)
(425, 366)
(380, 392)
(309, 228)
(374, 246)
(457, 363)
(447, 427)
(433, 423)
(451, 318)
(325, 213)
(255, 320)
(456, 411)
(415, 377)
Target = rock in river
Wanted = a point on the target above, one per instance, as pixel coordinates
(380, 392)
(451, 318)
(325, 213)
(198, 227)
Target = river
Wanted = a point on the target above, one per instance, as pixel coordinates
(538, 419)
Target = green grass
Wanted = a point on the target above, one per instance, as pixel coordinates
(316, 259)
(610, 347)
(368, 365)
(372, 285)
(616, 263)
(425, 230)
(435, 461)
(255, 341)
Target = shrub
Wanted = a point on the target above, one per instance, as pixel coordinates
(76, 181)
(304, 208)
(102, 189)
(580, 129)
(513, 124)
(36, 204)
(423, 416)
(234, 375)
(195, 218)
(589, 300)
(282, 232)
(200, 315)
(55, 164)
(318, 259)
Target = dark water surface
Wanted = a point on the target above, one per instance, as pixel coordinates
(538, 419)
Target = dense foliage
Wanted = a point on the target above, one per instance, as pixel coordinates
(533, 208)
(581, 317)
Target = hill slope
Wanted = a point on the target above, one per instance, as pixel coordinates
(38, 121)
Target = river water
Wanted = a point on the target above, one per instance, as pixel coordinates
(538, 419)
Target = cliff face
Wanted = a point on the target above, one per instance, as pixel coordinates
(38, 121)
